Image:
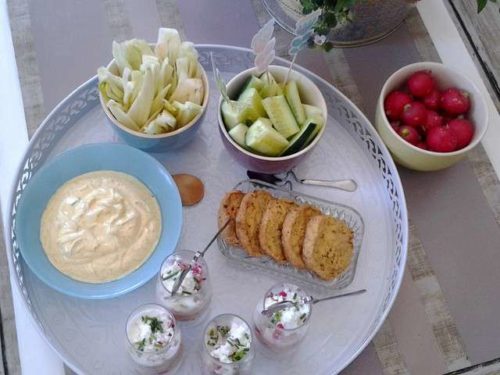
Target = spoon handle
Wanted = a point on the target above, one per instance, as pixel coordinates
(316, 300)
(197, 256)
(201, 253)
(347, 185)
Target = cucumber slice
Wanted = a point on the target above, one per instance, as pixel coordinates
(315, 113)
(252, 104)
(293, 98)
(299, 141)
(316, 130)
(281, 115)
(238, 133)
(232, 113)
(271, 87)
(254, 82)
(262, 137)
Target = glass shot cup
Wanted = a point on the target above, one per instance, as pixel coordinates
(193, 296)
(227, 346)
(283, 329)
(153, 338)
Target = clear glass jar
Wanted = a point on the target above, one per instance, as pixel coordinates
(227, 346)
(153, 338)
(195, 292)
(283, 329)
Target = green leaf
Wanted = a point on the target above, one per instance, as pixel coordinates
(481, 4)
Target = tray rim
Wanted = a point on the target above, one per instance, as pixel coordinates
(19, 173)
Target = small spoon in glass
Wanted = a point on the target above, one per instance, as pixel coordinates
(278, 306)
(197, 256)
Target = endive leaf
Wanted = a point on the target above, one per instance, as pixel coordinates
(141, 107)
(122, 117)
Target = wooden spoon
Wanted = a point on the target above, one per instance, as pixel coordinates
(190, 188)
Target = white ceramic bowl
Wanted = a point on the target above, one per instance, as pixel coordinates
(158, 142)
(309, 93)
(416, 158)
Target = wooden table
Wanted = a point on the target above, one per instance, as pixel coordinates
(446, 315)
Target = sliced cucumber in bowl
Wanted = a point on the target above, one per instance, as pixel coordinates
(252, 104)
(238, 133)
(301, 139)
(293, 98)
(264, 139)
(281, 115)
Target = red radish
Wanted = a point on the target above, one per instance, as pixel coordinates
(421, 84)
(395, 125)
(394, 104)
(431, 101)
(421, 131)
(441, 139)
(409, 134)
(421, 145)
(414, 114)
(455, 102)
(432, 120)
(463, 129)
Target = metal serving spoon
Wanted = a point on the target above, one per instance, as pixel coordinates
(197, 256)
(346, 185)
(284, 304)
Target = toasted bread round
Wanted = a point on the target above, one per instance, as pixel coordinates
(293, 232)
(271, 226)
(328, 246)
(248, 220)
(227, 210)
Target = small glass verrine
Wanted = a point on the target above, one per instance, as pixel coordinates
(153, 338)
(193, 295)
(227, 346)
(284, 328)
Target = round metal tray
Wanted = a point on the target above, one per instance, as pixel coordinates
(89, 335)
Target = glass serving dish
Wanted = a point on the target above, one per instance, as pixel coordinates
(283, 270)
(157, 348)
(195, 292)
(227, 346)
(282, 330)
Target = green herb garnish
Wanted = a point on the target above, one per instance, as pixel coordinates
(141, 344)
(154, 323)
(276, 318)
(239, 355)
(224, 330)
(170, 275)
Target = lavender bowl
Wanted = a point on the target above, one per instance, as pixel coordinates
(309, 93)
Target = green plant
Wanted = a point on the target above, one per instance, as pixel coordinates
(338, 11)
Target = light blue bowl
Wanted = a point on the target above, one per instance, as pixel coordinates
(72, 163)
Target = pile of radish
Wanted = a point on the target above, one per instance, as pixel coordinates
(428, 117)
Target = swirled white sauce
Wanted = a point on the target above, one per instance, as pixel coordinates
(100, 226)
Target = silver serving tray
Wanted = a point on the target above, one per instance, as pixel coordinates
(285, 271)
(90, 335)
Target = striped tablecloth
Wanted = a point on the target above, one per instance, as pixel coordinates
(446, 317)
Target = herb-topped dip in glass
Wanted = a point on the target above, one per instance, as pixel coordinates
(194, 293)
(285, 327)
(153, 337)
(228, 345)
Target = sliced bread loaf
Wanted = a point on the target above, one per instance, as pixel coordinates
(328, 246)
(248, 220)
(271, 226)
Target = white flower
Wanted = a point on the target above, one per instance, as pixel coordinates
(319, 39)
